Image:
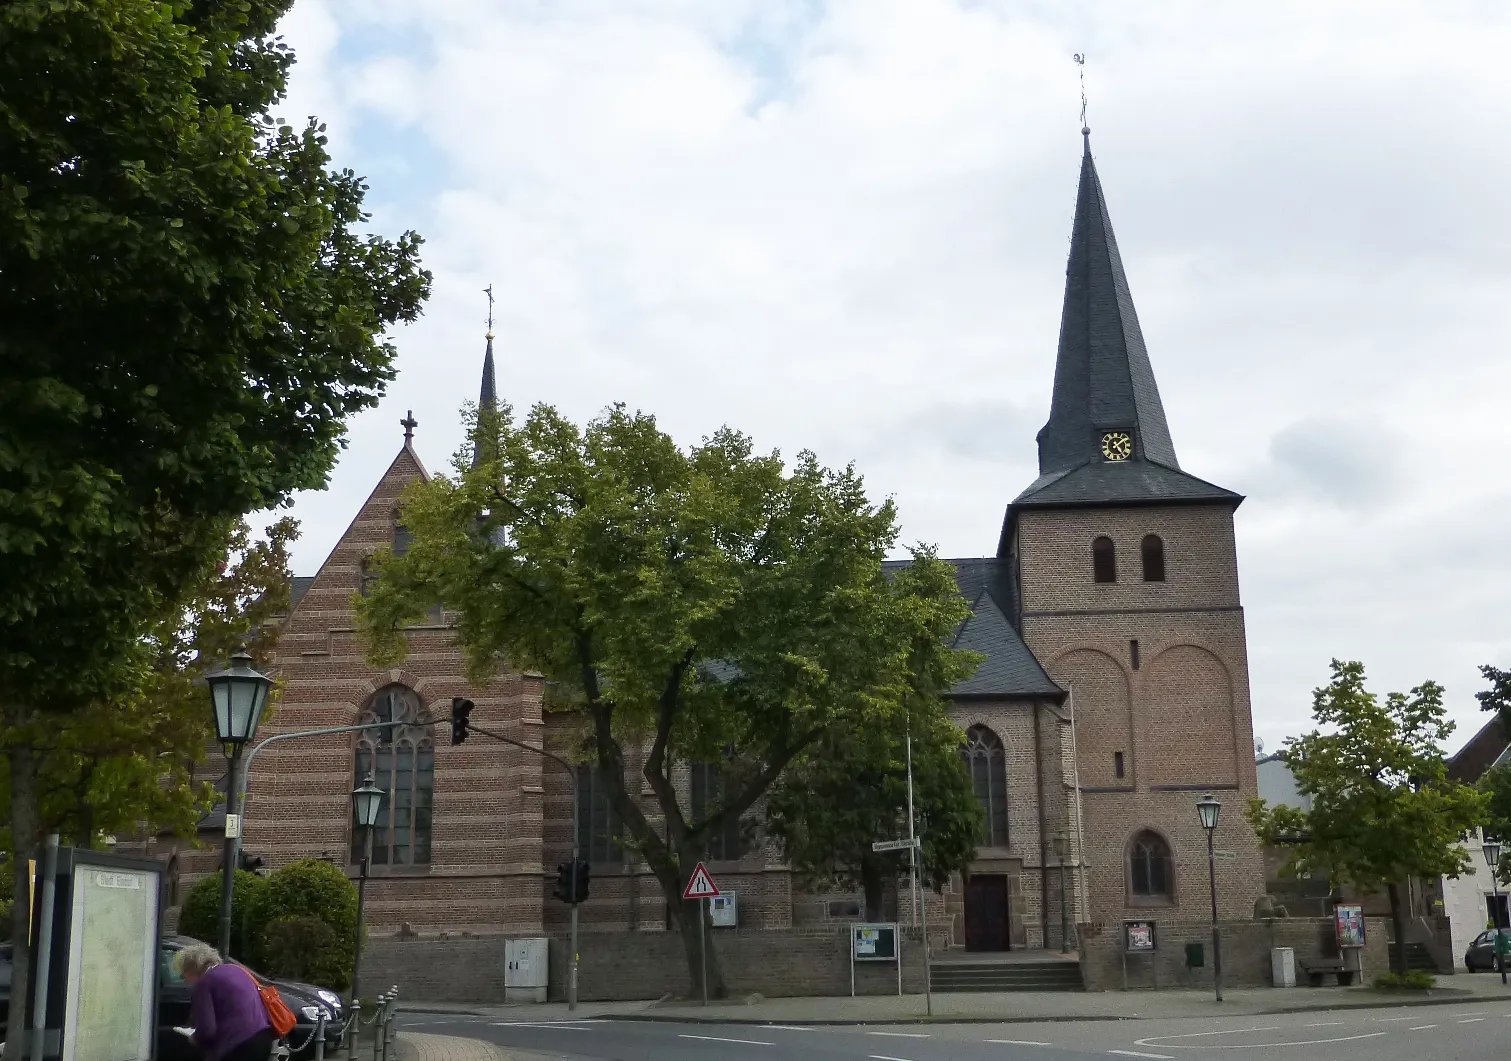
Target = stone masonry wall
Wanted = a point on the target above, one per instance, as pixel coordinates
(1246, 947)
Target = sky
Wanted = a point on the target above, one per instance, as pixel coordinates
(842, 226)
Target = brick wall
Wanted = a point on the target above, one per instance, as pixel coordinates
(644, 965)
(1246, 947)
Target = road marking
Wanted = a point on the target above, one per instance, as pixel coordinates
(1471, 1020)
(721, 1039)
(1155, 1040)
(788, 1027)
(884, 1057)
(902, 1035)
(1135, 1053)
(1387, 1020)
(545, 1023)
(1422, 1027)
(531, 1024)
(1017, 1042)
(1324, 1024)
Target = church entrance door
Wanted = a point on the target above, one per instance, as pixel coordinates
(986, 920)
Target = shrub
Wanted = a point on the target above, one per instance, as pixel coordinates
(200, 914)
(310, 889)
(1412, 980)
(306, 949)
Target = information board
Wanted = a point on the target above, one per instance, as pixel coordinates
(111, 993)
(1139, 937)
(874, 943)
(1349, 921)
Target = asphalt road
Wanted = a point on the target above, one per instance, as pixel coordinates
(1463, 1032)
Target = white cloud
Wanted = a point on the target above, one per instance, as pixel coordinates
(843, 226)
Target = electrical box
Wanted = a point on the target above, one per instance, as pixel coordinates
(724, 911)
(526, 968)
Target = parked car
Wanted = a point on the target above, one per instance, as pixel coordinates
(307, 1001)
(1481, 953)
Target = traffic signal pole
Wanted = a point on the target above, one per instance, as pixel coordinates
(468, 728)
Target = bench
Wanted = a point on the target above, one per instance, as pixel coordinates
(1318, 968)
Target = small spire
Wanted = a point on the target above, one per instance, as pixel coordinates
(409, 423)
(487, 398)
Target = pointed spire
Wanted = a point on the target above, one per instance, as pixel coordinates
(1103, 380)
(487, 398)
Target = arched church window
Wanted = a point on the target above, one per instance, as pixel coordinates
(1150, 874)
(401, 759)
(598, 823)
(1153, 548)
(707, 784)
(1104, 560)
(987, 763)
(367, 575)
(401, 535)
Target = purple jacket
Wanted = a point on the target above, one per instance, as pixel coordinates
(225, 1011)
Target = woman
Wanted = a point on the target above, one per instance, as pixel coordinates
(229, 1019)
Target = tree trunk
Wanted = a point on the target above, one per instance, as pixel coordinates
(688, 913)
(1398, 927)
(873, 883)
(84, 810)
(23, 802)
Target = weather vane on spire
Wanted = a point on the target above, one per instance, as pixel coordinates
(489, 292)
(1080, 58)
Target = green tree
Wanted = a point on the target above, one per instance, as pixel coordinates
(851, 789)
(1383, 806)
(199, 916)
(685, 602)
(1496, 784)
(1497, 698)
(189, 312)
(310, 889)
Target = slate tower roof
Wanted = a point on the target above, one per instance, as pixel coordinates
(1104, 383)
(487, 397)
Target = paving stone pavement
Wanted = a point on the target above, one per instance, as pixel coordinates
(416, 1047)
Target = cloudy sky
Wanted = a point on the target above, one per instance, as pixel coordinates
(843, 225)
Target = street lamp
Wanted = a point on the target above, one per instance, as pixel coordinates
(367, 803)
(1060, 845)
(1210, 812)
(1492, 852)
(238, 694)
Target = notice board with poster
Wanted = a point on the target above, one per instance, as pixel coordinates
(104, 947)
(1349, 923)
(875, 943)
(1140, 939)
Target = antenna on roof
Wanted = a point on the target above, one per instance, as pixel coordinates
(1080, 58)
(489, 292)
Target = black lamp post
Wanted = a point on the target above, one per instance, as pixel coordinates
(367, 803)
(1210, 811)
(1060, 845)
(1492, 852)
(238, 693)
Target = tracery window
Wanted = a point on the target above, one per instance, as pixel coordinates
(401, 759)
(987, 763)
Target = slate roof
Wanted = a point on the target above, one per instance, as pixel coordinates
(1480, 752)
(487, 396)
(298, 587)
(1104, 382)
(1010, 670)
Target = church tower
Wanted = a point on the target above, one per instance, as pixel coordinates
(1127, 592)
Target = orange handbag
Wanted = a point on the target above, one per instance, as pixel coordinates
(279, 1014)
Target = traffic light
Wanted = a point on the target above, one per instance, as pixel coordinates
(461, 711)
(566, 888)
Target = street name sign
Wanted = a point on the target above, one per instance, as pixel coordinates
(700, 885)
(895, 845)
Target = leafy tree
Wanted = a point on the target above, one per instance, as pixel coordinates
(684, 601)
(1497, 698)
(851, 789)
(1496, 784)
(188, 315)
(310, 889)
(1383, 806)
(199, 916)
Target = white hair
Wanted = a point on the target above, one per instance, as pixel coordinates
(197, 958)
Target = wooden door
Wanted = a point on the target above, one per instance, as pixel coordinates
(986, 920)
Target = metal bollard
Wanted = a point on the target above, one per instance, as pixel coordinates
(353, 1028)
(388, 1030)
(320, 1038)
(378, 1027)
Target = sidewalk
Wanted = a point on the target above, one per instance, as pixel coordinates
(1006, 1006)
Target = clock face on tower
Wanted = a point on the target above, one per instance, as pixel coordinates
(1117, 446)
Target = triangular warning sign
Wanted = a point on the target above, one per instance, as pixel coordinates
(700, 885)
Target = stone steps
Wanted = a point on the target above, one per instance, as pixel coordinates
(1050, 974)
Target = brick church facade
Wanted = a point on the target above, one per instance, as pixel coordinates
(1114, 694)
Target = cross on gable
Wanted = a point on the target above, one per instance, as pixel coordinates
(409, 423)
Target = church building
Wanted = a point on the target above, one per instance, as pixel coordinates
(1113, 696)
